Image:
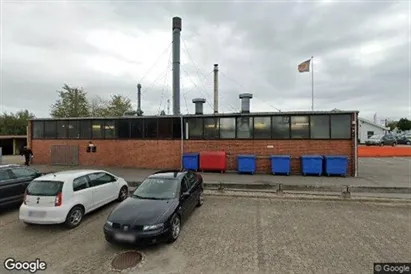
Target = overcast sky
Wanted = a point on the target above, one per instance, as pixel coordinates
(361, 53)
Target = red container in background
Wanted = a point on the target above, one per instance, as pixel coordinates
(213, 161)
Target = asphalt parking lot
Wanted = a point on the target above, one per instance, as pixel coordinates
(380, 171)
(232, 235)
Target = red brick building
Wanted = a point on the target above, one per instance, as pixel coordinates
(158, 142)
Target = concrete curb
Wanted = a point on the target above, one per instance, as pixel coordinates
(308, 188)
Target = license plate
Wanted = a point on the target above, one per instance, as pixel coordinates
(39, 214)
(125, 237)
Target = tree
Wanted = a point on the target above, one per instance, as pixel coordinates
(392, 124)
(99, 107)
(114, 107)
(72, 102)
(404, 124)
(15, 123)
(118, 105)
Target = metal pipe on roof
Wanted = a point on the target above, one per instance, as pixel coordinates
(176, 64)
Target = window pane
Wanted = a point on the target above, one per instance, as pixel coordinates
(227, 128)
(137, 126)
(123, 128)
(85, 129)
(280, 126)
(38, 129)
(73, 129)
(300, 127)
(195, 128)
(165, 128)
(109, 129)
(50, 129)
(97, 129)
(176, 128)
(62, 129)
(320, 127)
(341, 126)
(210, 128)
(150, 128)
(244, 127)
(262, 127)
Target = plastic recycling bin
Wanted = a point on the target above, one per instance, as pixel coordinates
(190, 161)
(246, 164)
(280, 164)
(311, 165)
(336, 165)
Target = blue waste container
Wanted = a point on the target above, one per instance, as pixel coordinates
(190, 161)
(280, 164)
(311, 164)
(246, 163)
(335, 165)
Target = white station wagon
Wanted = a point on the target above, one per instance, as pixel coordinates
(66, 196)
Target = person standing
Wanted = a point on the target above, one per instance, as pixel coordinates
(28, 154)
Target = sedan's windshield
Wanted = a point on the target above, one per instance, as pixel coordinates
(374, 137)
(157, 188)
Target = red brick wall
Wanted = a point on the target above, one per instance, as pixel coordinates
(160, 154)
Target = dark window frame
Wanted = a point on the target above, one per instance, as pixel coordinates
(55, 129)
(350, 126)
(251, 125)
(235, 128)
(102, 132)
(145, 128)
(118, 122)
(217, 132)
(62, 122)
(329, 127)
(114, 123)
(201, 136)
(270, 129)
(77, 127)
(42, 129)
(288, 131)
(89, 129)
(170, 125)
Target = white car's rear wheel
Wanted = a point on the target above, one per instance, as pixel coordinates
(74, 217)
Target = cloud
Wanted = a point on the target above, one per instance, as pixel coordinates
(360, 49)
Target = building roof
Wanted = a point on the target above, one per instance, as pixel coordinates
(372, 123)
(2, 137)
(234, 114)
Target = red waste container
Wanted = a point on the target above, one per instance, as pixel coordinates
(213, 161)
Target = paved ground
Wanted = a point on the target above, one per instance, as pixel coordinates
(372, 172)
(232, 235)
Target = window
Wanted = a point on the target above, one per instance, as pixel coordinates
(97, 129)
(244, 127)
(136, 127)
(23, 172)
(191, 179)
(38, 129)
(44, 188)
(80, 183)
(262, 127)
(341, 126)
(176, 128)
(165, 128)
(62, 128)
(109, 129)
(123, 129)
(211, 128)
(370, 133)
(320, 127)
(280, 126)
(73, 129)
(227, 128)
(50, 129)
(195, 128)
(4, 175)
(300, 127)
(150, 128)
(101, 178)
(184, 185)
(85, 129)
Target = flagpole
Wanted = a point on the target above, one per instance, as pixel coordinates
(312, 83)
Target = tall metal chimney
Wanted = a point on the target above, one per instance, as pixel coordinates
(139, 111)
(245, 102)
(215, 88)
(176, 64)
(199, 105)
